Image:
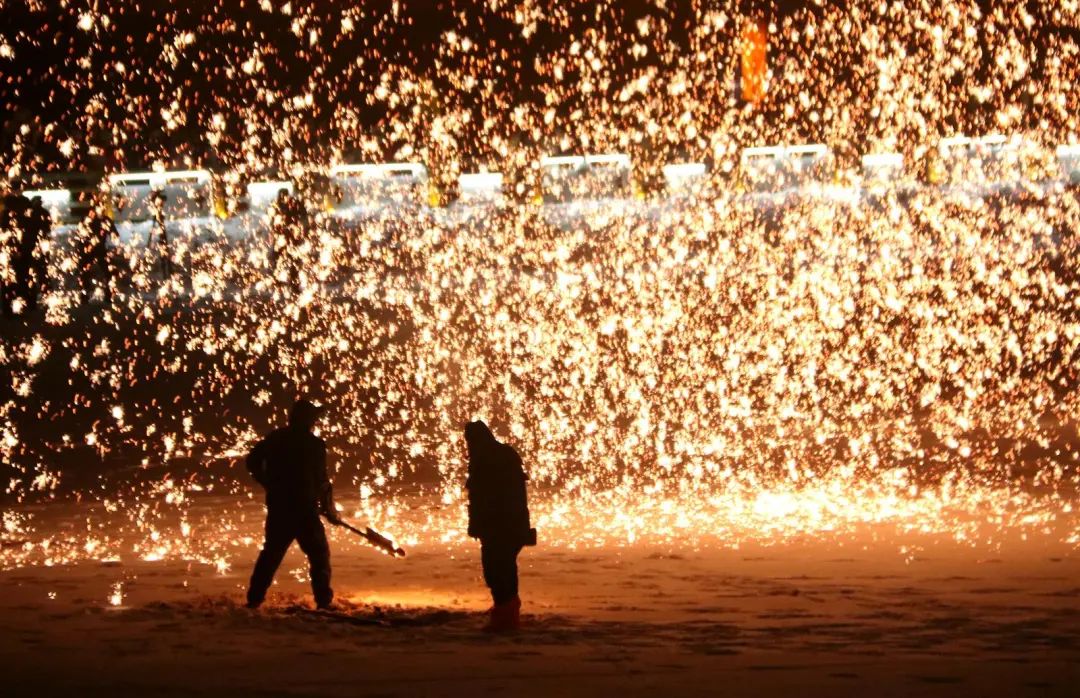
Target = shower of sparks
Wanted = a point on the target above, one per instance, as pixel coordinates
(700, 367)
(116, 597)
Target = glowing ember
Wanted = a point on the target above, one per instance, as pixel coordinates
(117, 596)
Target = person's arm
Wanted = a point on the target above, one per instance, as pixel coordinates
(480, 506)
(523, 505)
(517, 494)
(474, 513)
(326, 488)
(256, 462)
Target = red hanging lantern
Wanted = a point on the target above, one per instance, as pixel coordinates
(753, 65)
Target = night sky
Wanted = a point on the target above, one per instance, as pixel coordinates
(130, 84)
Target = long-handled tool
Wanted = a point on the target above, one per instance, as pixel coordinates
(373, 537)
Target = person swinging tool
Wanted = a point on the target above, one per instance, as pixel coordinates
(290, 464)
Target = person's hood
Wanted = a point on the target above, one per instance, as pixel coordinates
(479, 437)
(486, 453)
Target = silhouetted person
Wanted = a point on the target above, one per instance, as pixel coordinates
(290, 464)
(499, 517)
(98, 237)
(279, 224)
(157, 207)
(30, 260)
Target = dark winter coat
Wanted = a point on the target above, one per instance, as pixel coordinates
(290, 463)
(498, 504)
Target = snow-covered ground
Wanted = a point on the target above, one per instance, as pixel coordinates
(839, 615)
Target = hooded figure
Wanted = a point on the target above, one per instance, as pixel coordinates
(499, 517)
(30, 261)
(290, 464)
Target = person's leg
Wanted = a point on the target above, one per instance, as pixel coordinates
(500, 570)
(279, 536)
(489, 562)
(312, 539)
(512, 573)
(22, 280)
(513, 603)
(500, 573)
(29, 290)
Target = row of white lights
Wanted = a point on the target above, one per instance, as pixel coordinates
(492, 181)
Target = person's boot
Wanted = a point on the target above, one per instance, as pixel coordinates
(513, 613)
(497, 620)
(504, 617)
